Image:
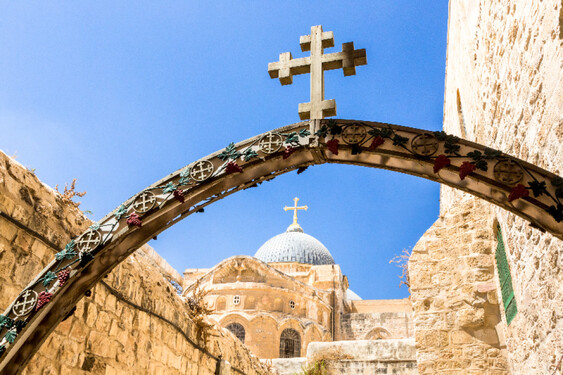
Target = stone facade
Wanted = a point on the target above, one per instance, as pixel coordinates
(504, 89)
(133, 321)
(266, 298)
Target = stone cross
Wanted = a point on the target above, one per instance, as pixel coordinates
(316, 64)
(295, 208)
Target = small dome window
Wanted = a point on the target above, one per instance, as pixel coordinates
(236, 300)
(292, 304)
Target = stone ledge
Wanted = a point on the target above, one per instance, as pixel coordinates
(364, 350)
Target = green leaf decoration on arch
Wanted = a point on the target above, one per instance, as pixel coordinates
(538, 187)
(6, 321)
(230, 152)
(169, 188)
(400, 140)
(334, 128)
(184, 177)
(20, 324)
(322, 132)
(48, 278)
(249, 154)
(10, 336)
(450, 142)
(66, 253)
(304, 133)
(292, 138)
(383, 132)
(557, 183)
(120, 212)
(491, 153)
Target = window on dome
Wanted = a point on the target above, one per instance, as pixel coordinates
(236, 300)
(238, 330)
(292, 304)
(290, 343)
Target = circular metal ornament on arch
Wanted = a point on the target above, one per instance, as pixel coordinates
(270, 143)
(144, 202)
(25, 303)
(354, 134)
(424, 144)
(202, 170)
(89, 240)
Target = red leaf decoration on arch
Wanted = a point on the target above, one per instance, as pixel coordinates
(518, 191)
(377, 141)
(333, 146)
(465, 169)
(233, 167)
(179, 195)
(288, 151)
(134, 220)
(441, 161)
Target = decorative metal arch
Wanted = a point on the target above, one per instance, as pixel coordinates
(517, 186)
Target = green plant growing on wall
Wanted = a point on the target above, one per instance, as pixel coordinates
(315, 368)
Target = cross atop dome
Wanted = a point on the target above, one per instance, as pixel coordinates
(316, 64)
(294, 227)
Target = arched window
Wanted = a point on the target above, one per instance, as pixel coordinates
(238, 330)
(290, 343)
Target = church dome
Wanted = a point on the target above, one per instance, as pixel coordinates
(294, 246)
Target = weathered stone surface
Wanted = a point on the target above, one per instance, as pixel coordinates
(504, 88)
(134, 322)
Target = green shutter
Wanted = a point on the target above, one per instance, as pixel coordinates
(507, 291)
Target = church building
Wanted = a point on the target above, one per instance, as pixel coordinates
(292, 293)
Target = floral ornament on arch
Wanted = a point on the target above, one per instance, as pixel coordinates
(43, 299)
(63, 276)
(376, 142)
(518, 191)
(465, 169)
(134, 220)
(179, 195)
(288, 151)
(233, 167)
(332, 146)
(440, 162)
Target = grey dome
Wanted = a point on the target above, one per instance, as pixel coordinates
(294, 246)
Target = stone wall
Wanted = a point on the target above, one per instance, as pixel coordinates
(454, 294)
(377, 325)
(504, 89)
(133, 321)
(355, 357)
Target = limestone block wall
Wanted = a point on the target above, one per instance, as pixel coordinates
(454, 295)
(377, 325)
(504, 88)
(133, 321)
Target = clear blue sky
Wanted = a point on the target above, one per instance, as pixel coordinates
(119, 94)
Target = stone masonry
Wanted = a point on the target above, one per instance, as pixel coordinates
(132, 323)
(504, 89)
(454, 295)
